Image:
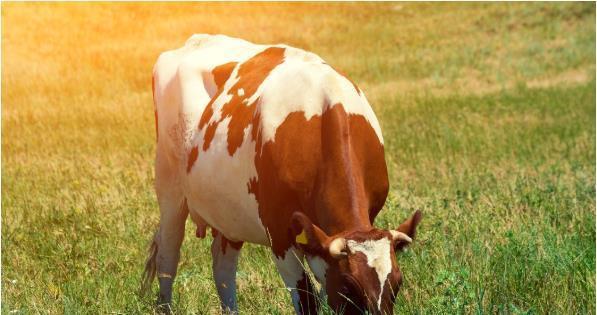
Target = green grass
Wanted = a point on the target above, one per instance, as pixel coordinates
(488, 115)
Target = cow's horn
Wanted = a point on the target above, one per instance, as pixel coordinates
(337, 247)
(399, 236)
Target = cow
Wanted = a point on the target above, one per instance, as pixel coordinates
(269, 144)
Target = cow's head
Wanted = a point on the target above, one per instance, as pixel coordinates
(358, 269)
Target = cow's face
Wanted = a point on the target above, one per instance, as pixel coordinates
(359, 268)
(364, 275)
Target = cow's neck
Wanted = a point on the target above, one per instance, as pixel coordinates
(341, 201)
(342, 204)
(348, 222)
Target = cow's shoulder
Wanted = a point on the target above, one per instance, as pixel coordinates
(304, 82)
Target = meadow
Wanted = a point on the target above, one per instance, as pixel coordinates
(488, 115)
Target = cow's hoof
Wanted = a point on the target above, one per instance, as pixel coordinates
(163, 309)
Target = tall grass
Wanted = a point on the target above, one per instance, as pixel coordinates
(488, 115)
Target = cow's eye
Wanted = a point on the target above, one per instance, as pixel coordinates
(344, 290)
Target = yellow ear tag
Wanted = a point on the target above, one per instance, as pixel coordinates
(302, 238)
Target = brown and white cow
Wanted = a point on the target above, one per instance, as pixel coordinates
(270, 145)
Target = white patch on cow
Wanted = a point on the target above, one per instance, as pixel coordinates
(241, 92)
(319, 268)
(217, 188)
(291, 269)
(378, 258)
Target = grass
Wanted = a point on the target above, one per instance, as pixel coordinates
(487, 110)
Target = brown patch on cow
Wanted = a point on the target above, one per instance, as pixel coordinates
(241, 117)
(287, 170)
(226, 242)
(251, 74)
(330, 167)
(252, 186)
(222, 73)
(208, 112)
(192, 158)
(209, 135)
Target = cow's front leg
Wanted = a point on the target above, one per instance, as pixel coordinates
(225, 255)
(297, 281)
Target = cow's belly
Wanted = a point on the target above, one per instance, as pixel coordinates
(217, 189)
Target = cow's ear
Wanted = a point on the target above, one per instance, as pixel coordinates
(408, 227)
(307, 235)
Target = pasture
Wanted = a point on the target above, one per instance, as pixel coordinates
(488, 115)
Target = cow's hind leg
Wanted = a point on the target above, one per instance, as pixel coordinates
(165, 248)
(297, 281)
(225, 255)
(164, 253)
(170, 236)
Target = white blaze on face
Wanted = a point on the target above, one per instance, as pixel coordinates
(378, 258)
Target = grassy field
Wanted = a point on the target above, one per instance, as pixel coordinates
(487, 110)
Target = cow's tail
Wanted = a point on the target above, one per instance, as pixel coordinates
(150, 266)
